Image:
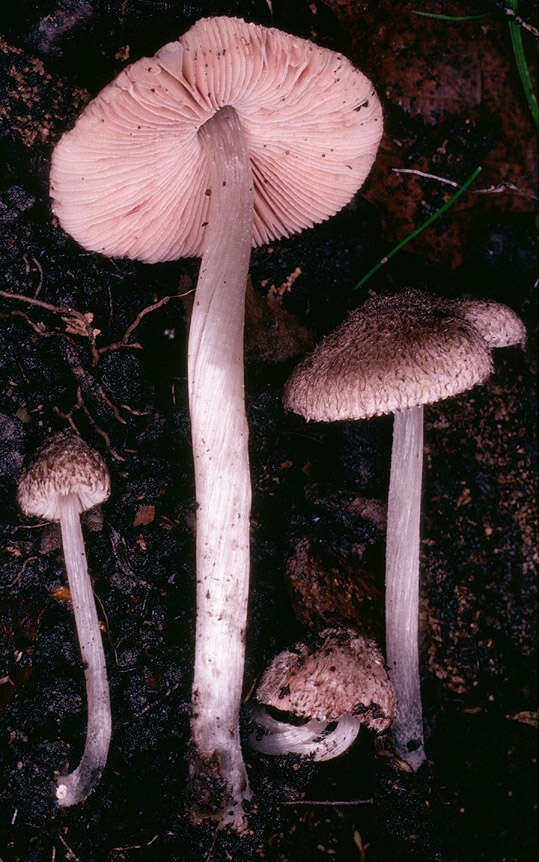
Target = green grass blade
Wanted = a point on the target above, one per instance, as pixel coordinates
(418, 230)
(522, 66)
(449, 17)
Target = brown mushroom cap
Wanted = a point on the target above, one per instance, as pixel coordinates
(130, 179)
(64, 465)
(346, 675)
(392, 353)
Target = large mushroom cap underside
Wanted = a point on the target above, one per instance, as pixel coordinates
(130, 179)
(345, 675)
(392, 353)
(63, 466)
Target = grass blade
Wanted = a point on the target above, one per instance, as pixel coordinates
(418, 230)
(449, 17)
(522, 66)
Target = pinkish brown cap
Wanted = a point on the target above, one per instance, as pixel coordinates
(63, 466)
(392, 353)
(130, 179)
(345, 675)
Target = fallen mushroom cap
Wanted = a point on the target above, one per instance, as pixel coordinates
(345, 675)
(130, 179)
(63, 465)
(391, 353)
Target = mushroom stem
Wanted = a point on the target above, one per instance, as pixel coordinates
(402, 582)
(76, 786)
(223, 490)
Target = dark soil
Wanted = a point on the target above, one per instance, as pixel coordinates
(452, 101)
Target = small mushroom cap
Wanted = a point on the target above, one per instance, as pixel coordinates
(345, 675)
(63, 466)
(498, 324)
(131, 180)
(391, 353)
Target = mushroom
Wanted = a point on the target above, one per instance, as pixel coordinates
(341, 680)
(68, 478)
(393, 355)
(232, 136)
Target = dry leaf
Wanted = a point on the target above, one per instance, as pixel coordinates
(61, 594)
(527, 716)
(145, 515)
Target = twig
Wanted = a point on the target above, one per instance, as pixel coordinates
(88, 384)
(336, 803)
(104, 435)
(72, 856)
(81, 324)
(134, 846)
(117, 345)
(124, 341)
(17, 578)
(210, 851)
(37, 327)
(56, 309)
(67, 417)
(134, 412)
(40, 271)
(103, 611)
(418, 230)
(502, 187)
(509, 9)
(361, 845)
(427, 176)
(493, 190)
(157, 700)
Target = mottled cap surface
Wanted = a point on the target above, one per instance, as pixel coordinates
(63, 466)
(344, 675)
(131, 179)
(392, 353)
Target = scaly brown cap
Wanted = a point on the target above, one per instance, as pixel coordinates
(64, 465)
(345, 675)
(392, 353)
(130, 179)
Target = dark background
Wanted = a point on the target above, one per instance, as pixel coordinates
(452, 101)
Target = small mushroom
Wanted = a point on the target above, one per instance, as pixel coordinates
(393, 355)
(232, 136)
(68, 478)
(337, 686)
